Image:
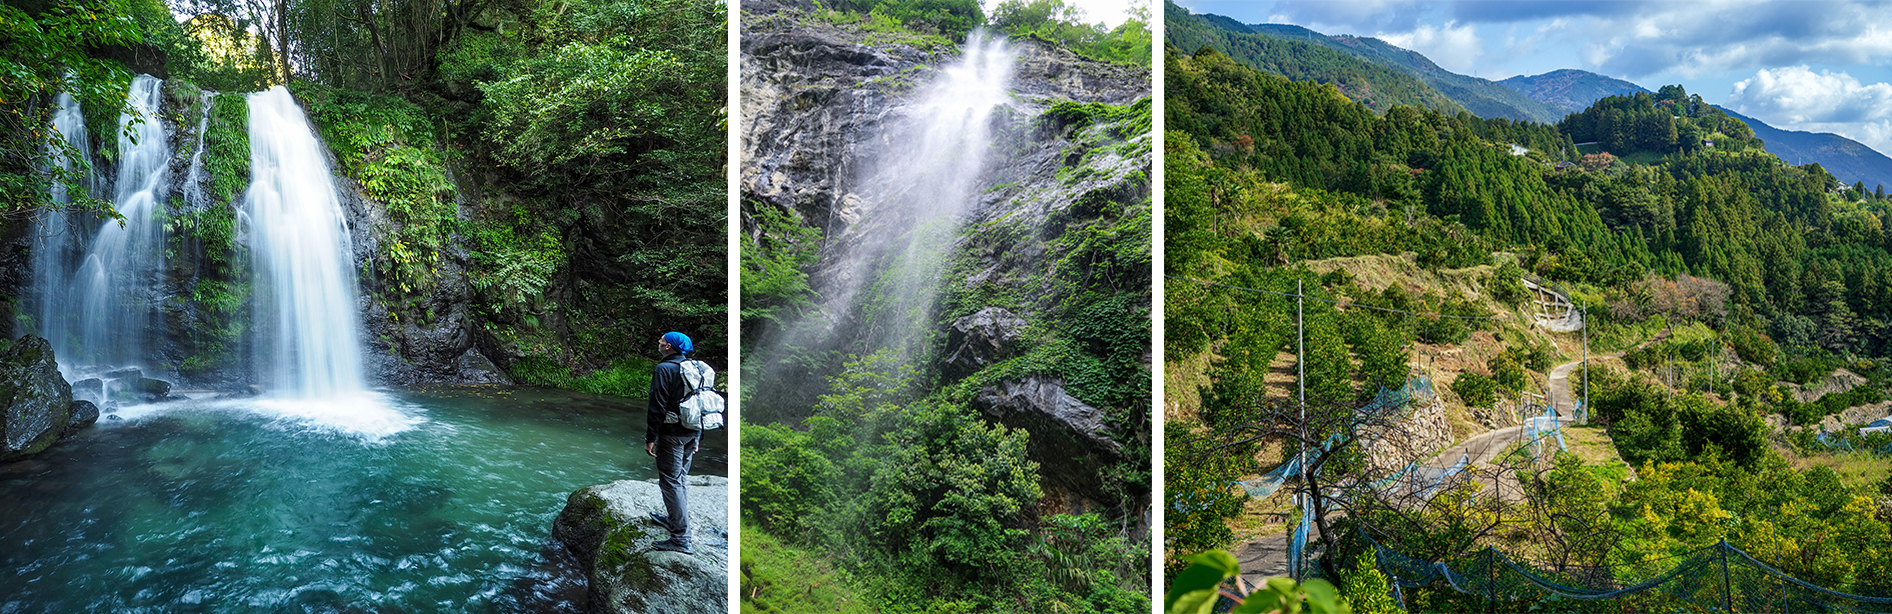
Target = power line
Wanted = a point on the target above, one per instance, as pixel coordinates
(1334, 302)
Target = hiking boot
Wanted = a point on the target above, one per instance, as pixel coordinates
(663, 520)
(673, 545)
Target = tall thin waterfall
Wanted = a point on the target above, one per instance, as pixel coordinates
(921, 178)
(116, 282)
(56, 237)
(309, 339)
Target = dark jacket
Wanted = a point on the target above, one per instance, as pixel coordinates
(666, 392)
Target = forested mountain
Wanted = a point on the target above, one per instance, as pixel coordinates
(1848, 160)
(1727, 280)
(1249, 43)
(1569, 90)
(1376, 86)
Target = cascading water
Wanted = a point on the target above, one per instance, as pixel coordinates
(882, 273)
(305, 309)
(115, 286)
(194, 192)
(55, 236)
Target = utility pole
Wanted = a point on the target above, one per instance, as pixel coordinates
(1586, 358)
(1300, 383)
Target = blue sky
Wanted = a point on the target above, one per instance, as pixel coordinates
(1821, 66)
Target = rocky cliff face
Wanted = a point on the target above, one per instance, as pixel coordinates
(432, 340)
(1042, 321)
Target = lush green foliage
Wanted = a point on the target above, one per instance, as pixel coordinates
(952, 19)
(1197, 591)
(1649, 424)
(1063, 24)
(42, 55)
(1668, 122)
(1366, 589)
(1475, 389)
(1198, 490)
(1378, 87)
(773, 263)
(625, 377)
(928, 496)
(388, 144)
(227, 146)
(1725, 247)
(780, 577)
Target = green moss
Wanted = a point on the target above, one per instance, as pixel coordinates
(101, 121)
(779, 577)
(227, 146)
(625, 377)
(620, 557)
(390, 146)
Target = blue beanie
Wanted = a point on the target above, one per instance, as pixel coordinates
(679, 342)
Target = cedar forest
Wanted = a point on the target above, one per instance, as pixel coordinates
(1654, 211)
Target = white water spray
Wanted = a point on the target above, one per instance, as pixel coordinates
(55, 236)
(882, 273)
(120, 270)
(306, 286)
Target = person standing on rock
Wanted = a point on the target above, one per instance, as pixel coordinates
(669, 442)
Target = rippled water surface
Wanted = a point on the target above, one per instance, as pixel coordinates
(442, 500)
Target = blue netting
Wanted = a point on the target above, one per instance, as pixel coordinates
(1268, 483)
(1298, 545)
(1719, 577)
(1837, 443)
(1537, 429)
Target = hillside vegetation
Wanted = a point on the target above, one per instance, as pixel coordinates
(1734, 286)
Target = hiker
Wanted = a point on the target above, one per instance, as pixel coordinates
(666, 439)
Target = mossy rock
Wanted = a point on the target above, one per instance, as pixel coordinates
(35, 400)
(609, 529)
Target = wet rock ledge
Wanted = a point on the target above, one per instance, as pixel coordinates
(609, 529)
(36, 406)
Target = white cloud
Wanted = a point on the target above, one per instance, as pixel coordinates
(1797, 98)
(1453, 47)
(1718, 36)
(1797, 95)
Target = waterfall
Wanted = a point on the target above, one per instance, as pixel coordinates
(922, 176)
(194, 192)
(115, 285)
(55, 237)
(309, 338)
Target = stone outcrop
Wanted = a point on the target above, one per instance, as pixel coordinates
(35, 401)
(1069, 439)
(982, 339)
(609, 529)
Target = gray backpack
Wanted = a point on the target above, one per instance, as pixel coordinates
(702, 407)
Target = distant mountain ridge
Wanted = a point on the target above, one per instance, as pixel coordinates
(1380, 75)
(1260, 46)
(1570, 90)
(1375, 85)
(1848, 160)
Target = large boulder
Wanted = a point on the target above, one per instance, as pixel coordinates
(1069, 439)
(609, 529)
(982, 339)
(35, 400)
